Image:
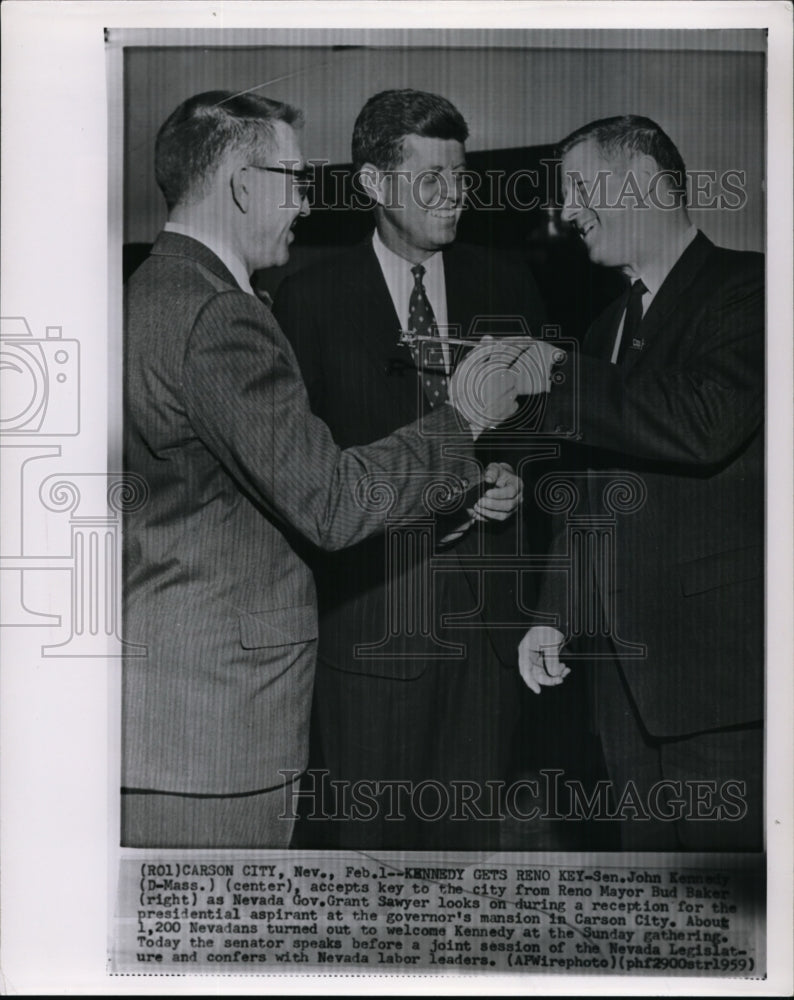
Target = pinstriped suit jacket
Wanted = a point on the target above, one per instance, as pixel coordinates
(218, 423)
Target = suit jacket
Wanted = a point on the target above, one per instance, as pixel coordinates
(217, 422)
(683, 413)
(343, 325)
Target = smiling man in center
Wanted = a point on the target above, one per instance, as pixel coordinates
(414, 716)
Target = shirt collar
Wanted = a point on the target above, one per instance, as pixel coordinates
(399, 280)
(227, 256)
(393, 263)
(654, 274)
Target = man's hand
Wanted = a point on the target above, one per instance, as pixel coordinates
(483, 388)
(498, 503)
(539, 658)
(532, 369)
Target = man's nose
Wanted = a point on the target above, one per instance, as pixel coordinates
(451, 188)
(570, 209)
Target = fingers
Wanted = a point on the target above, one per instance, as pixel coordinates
(482, 390)
(532, 370)
(555, 671)
(510, 492)
(539, 659)
(488, 380)
(492, 472)
(498, 504)
(537, 676)
(497, 473)
(528, 678)
(503, 498)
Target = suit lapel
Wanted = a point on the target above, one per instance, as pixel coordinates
(600, 339)
(376, 329)
(655, 323)
(467, 291)
(464, 290)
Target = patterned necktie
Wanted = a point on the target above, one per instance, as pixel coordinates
(633, 318)
(423, 323)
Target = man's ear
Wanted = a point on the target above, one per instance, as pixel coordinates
(373, 182)
(239, 182)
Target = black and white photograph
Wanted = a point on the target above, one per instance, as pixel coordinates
(396, 525)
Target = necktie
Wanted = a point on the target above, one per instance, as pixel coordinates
(423, 323)
(633, 318)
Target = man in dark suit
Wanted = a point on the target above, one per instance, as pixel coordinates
(670, 432)
(237, 469)
(396, 702)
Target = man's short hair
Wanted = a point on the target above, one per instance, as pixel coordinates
(628, 134)
(388, 117)
(194, 139)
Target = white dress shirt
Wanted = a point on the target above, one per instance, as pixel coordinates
(653, 277)
(400, 282)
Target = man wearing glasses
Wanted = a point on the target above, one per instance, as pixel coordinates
(238, 470)
(410, 711)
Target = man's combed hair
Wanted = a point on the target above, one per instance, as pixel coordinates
(388, 117)
(627, 134)
(194, 139)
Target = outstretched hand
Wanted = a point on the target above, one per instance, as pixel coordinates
(483, 387)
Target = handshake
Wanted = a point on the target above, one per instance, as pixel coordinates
(487, 383)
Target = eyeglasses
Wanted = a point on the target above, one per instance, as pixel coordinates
(301, 179)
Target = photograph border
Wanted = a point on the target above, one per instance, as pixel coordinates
(60, 783)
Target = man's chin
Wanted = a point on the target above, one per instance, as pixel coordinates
(280, 258)
(443, 233)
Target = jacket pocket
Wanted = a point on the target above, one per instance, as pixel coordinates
(280, 627)
(720, 569)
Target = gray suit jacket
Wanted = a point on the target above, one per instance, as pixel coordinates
(218, 423)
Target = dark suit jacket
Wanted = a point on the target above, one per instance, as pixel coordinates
(685, 415)
(341, 320)
(217, 422)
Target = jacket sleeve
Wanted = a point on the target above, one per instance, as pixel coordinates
(696, 413)
(247, 403)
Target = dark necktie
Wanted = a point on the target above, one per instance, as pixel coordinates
(633, 318)
(423, 323)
